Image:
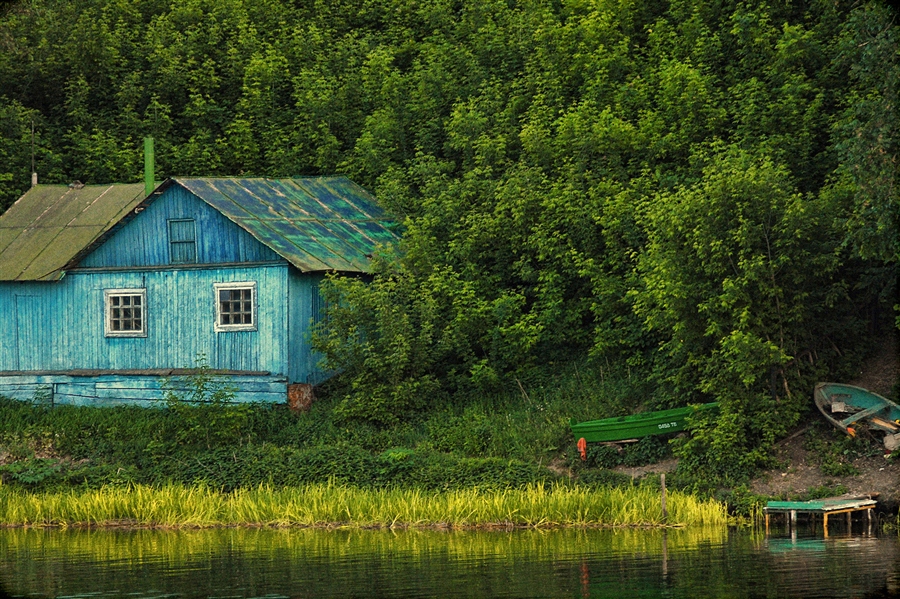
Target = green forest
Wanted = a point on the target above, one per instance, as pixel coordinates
(683, 201)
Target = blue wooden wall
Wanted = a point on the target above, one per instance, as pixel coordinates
(305, 310)
(118, 389)
(59, 326)
(143, 241)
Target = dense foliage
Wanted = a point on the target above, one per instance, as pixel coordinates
(702, 193)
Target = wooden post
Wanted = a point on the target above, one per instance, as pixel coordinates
(662, 483)
(849, 522)
(825, 523)
(793, 519)
(767, 523)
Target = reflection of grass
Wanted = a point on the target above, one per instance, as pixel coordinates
(184, 546)
(315, 505)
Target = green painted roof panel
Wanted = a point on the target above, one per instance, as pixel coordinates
(49, 225)
(315, 223)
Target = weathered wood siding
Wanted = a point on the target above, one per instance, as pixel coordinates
(113, 390)
(60, 326)
(144, 241)
(305, 310)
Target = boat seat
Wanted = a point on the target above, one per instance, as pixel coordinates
(885, 425)
(864, 414)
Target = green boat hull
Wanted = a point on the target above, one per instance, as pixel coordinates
(638, 425)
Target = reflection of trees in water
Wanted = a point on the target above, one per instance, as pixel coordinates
(568, 562)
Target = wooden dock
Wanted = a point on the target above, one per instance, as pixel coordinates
(824, 507)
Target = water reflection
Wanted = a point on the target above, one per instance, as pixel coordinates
(243, 562)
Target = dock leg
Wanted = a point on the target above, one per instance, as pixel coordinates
(869, 521)
(793, 519)
(825, 524)
(849, 522)
(767, 523)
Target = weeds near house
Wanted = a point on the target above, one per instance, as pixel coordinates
(203, 403)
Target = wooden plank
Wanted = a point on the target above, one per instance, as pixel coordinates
(863, 414)
(19, 387)
(31, 379)
(819, 507)
(182, 386)
(97, 372)
(81, 400)
(885, 425)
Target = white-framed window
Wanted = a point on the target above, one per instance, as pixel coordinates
(126, 312)
(235, 306)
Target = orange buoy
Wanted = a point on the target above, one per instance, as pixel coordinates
(582, 448)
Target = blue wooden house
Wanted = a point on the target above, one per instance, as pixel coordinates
(106, 292)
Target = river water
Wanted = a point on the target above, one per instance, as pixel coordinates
(247, 562)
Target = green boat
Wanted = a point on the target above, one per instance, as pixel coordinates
(850, 408)
(638, 425)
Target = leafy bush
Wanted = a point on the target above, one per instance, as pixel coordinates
(470, 434)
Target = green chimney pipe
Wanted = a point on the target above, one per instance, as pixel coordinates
(149, 167)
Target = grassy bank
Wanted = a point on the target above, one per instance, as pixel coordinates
(329, 504)
(496, 441)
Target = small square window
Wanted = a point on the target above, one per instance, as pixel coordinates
(235, 306)
(125, 312)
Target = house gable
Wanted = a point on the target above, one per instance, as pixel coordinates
(177, 229)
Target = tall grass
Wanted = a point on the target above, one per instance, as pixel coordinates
(330, 504)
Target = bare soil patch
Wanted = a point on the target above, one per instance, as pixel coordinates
(801, 469)
(640, 471)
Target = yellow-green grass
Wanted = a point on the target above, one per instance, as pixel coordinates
(335, 505)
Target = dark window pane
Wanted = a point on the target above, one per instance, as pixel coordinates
(125, 313)
(236, 306)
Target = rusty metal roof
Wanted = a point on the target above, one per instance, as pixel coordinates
(48, 226)
(315, 223)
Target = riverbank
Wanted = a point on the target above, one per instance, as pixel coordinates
(815, 456)
(330, 505)
(507, 441)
